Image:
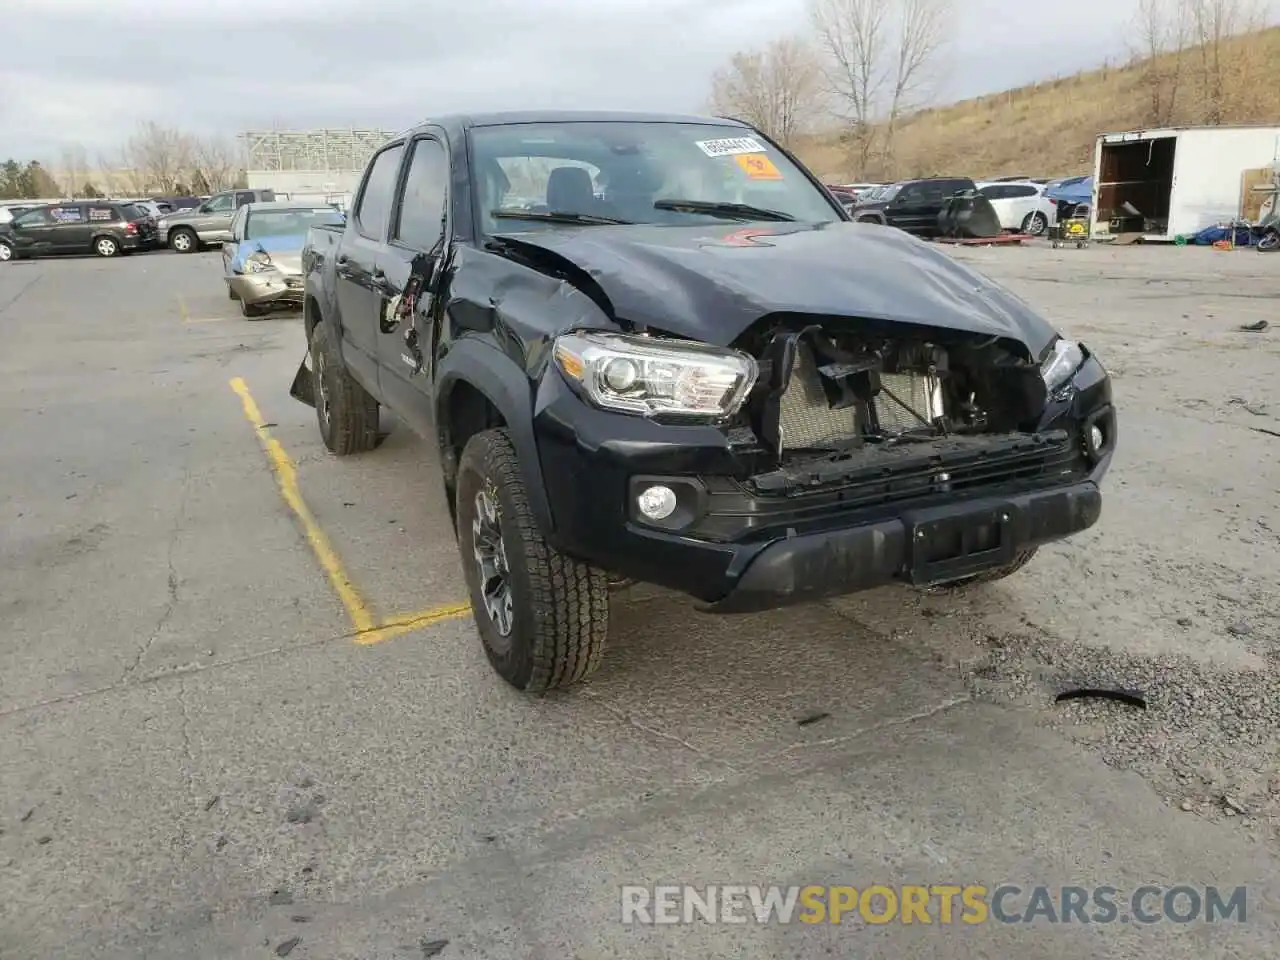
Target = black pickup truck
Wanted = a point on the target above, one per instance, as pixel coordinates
(654, 348)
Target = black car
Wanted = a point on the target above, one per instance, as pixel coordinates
(912, 205)
(86, 226)
(654, 348)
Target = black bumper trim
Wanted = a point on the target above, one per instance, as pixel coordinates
(910, 548)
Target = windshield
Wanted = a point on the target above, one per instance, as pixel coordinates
(619, 170)
(287, 223)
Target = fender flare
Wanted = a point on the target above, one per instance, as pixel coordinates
(488, 370)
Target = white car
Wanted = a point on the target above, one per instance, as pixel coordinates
(1021, 205)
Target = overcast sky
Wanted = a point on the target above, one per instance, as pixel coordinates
(87, 72)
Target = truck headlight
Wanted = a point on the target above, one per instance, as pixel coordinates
(1061, 364)
(257, 263)
(650, 376)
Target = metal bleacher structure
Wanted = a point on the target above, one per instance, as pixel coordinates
(318, 162)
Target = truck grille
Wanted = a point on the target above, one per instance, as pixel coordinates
(809, 423)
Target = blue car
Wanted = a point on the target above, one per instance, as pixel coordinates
(262, 263)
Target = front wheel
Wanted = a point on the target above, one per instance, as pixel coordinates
(1034, 224)
(543, 617)
(6, 252)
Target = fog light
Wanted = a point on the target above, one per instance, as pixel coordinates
(1095, 438)
(657, 502)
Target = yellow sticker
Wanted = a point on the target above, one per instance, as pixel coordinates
(758, 167)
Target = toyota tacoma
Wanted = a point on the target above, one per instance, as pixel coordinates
(655, 349)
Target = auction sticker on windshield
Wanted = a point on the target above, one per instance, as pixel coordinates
(758, 167)
(730, 146)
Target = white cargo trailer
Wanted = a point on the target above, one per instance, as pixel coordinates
(1172, 182)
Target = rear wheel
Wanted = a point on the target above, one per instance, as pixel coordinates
(184, 241)
(106, 246)
(543, 617)
(1035, 223)
(6, 252)
(347, 413)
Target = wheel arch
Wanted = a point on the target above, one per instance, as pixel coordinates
(479, 388)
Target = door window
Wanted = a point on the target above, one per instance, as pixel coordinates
(33, 218)
(222, 204)
(422, 206)
(102, 214)
(995, 192)
(67, 214)
(374, 207)
(1021, 192)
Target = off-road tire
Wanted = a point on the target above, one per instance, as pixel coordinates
(183, 240)
(560, 606)
(988, 576)
(351, 424)
(1034, 224)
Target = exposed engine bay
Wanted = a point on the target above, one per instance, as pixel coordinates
(830, 402)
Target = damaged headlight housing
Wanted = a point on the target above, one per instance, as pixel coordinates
(1061, 364)
(258, 262)
(649, 376)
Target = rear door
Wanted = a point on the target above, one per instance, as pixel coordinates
(1023, 201)
(360, 284)
(418, 233)
(33, 232)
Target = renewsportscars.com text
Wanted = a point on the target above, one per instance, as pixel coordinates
(930, 904)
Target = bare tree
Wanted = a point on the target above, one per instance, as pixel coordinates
(1164, 29)
(851, 34)
(921, 33)
(161, 156)
(73, 170)
(216, 162)
(776, 88)
(117, 176)
(1213, 23)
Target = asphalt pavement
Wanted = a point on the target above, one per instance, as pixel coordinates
(242, 713)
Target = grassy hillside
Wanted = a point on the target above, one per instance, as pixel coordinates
(1048, 128)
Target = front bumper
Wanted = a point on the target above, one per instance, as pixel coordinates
(270, 286)
(738, 553)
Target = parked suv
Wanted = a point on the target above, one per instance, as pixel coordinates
(87, 226)
(189, 230)
(1021, 206)
(912, 205)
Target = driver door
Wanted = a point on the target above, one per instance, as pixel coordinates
(415, 251)
(214, 222)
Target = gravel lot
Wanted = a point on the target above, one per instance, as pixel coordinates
(200, 757)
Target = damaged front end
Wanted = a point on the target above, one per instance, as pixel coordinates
(842, 420)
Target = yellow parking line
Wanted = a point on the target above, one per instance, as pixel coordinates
(407, 623)
(287, 478)
(182, 309)
(368, 629)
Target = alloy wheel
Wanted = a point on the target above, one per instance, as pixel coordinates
(491, 560)
(106, 247)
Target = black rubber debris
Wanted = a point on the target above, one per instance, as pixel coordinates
(1133, 698)
(431, 947)
(811, 718)
(286, 948)
(1255, 327)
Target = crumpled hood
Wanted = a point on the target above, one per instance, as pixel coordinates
(285, 252)
(712, 282)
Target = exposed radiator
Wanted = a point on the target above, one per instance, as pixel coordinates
(809, 423)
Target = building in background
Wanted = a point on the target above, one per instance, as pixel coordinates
(324, 165)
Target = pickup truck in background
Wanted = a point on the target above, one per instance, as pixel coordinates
(654, 348)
